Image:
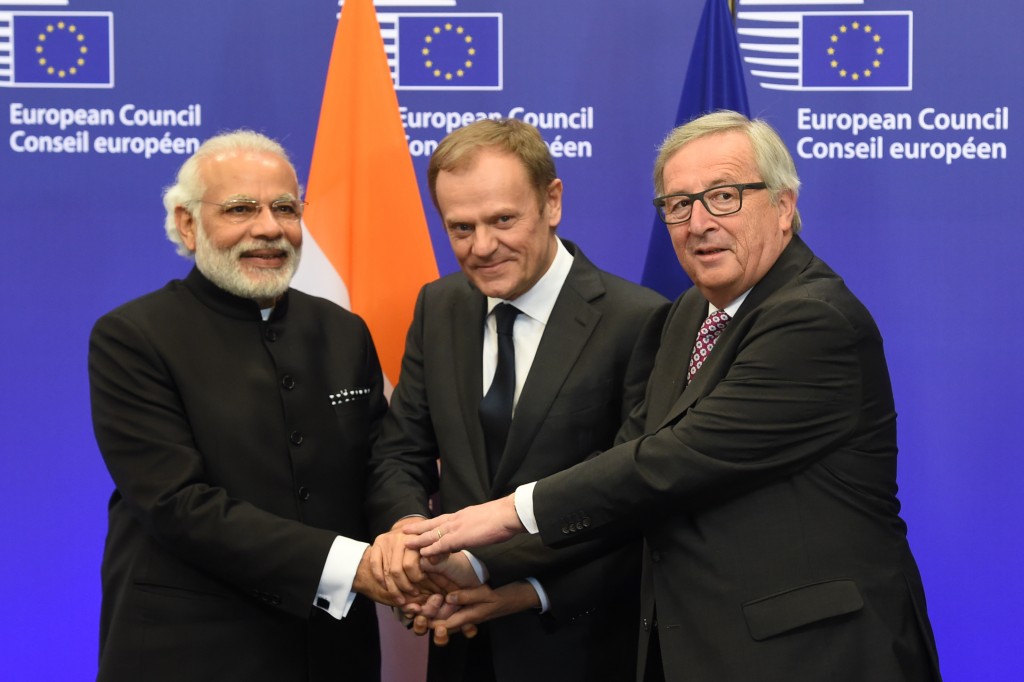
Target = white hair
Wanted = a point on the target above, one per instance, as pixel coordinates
(189, 187)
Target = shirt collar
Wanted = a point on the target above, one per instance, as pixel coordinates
(539, 301)
(730, 309)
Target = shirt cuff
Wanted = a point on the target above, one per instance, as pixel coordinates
(478, 567)
(334, 594)
(524, 507)
(545, 604)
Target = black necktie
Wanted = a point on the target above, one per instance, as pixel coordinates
(496, 406)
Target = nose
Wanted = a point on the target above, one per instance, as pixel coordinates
(700, 219)
(485, 243)
(264, 225)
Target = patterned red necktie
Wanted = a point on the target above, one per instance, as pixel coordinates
(706, 337)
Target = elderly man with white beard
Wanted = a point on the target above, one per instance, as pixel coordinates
(235, 416)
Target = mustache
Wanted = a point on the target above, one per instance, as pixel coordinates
(280, 244)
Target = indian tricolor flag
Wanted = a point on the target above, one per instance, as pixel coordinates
(366, 245)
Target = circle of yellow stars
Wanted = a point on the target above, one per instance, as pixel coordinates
(460, 33)
(855, 75)
(55, 31)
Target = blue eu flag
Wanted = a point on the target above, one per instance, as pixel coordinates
(449, 52)
(714, 80)
(62, 49)
(856, 51)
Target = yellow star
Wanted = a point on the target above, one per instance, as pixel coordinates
(867, 29)
(855, 76)
(867, 73)
(425, 51)
(834, 63)
(877, 38)
(876, 63)
(831, 50)
(842, 29)
(448, 27)
(856, 25)
(842, 72)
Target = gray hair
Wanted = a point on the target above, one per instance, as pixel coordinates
(189, 187)
(774, 162)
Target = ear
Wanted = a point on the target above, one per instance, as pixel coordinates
(186, 225)
(786, 205)
(553, 203)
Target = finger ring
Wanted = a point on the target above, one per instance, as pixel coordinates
(439, 534)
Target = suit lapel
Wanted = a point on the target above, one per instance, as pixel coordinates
(571, 324)
(791, 262)
(467, 333)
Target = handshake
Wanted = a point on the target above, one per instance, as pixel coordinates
(441, 593)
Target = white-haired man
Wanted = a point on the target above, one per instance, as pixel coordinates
(235, 416)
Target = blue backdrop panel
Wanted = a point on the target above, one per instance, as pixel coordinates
(910, 170)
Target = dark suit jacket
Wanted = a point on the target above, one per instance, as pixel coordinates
(766, 490)
(590, 370)
(234, 470)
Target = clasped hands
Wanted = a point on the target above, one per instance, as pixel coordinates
(441, 593)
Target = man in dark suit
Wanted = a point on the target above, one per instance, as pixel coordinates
(763, 465)
(583, 343)
(236, 416)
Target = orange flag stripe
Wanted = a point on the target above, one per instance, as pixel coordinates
(365, 210)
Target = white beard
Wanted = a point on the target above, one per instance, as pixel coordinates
(224, 268)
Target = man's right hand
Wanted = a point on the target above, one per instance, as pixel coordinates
(396, 567)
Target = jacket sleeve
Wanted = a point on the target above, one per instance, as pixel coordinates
(403, 471)
(789, 396)
(144, 434)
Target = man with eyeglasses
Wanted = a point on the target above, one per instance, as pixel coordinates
(762, 464)
(235, 416)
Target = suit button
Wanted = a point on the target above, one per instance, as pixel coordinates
(288, 382)
(296, 438)
(586, 522)
(646, 626)
(270, 335)
(303, 493)
(566, 530)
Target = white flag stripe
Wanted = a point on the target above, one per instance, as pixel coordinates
(782, 17)
(800, 2)
(317, 276)
(770, 32)
(771, 61)
(771, 47)
(775, 74)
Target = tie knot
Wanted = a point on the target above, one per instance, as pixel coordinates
(505, 315)
(715, 324)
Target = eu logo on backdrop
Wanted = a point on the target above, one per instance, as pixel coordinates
(57, 49)
(857, 50)
(796, 50)
(448, 52)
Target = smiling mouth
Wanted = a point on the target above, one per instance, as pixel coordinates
(708, 251)
(266, 255)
